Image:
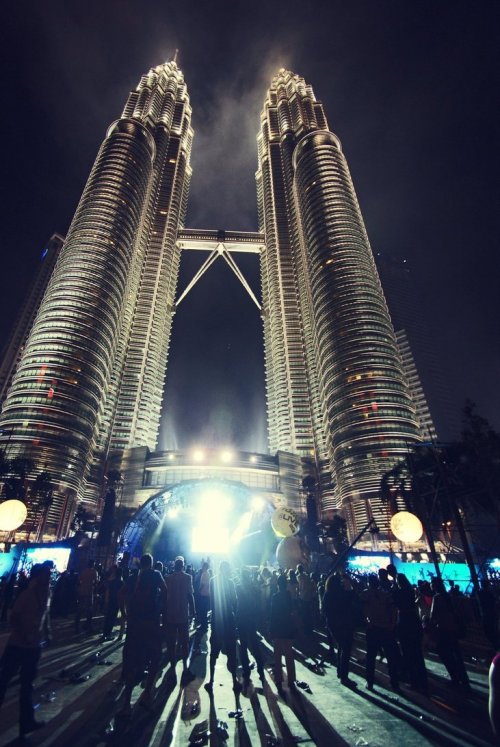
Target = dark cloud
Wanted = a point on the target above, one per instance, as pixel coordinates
(411, 90)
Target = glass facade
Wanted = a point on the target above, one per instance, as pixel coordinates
(91, 374)
(336, 389)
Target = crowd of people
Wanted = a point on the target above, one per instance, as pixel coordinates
(156, 608)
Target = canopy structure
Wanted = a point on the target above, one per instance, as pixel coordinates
(202, 517)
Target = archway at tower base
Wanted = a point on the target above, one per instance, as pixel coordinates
(202, 518)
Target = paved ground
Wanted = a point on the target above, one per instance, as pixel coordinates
(78, 693)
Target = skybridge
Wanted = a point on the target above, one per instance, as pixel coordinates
(220, 244)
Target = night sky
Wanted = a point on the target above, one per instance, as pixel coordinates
(411, 89)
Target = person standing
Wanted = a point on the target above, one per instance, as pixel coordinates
(142, 650)
(410, 633)
(180, 608)
(381, 617)
(342, 611)
(446, 628)
(223, 623)
(203, 596)
(283, 631)
(112, 601)
(247, 619)
(87, 587)
(24, 645)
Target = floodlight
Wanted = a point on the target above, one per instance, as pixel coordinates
(253, 458)
(258, 504)
(213, 505)
(214, 541)
(226, 456)
(198, 455)
(242, 529)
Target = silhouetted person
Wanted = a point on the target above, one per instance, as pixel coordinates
(87, 586)
(410, 633)
(247, 618)
(446, 629)
(489, 614)
(223, 623)
(494, 695)
(180, 608)
(307, 599)
(114, 585)
(24, 645)
(203, 595)
(341, 608)
(380, 614)
(282, 628)
(8, 596)
(142, 649)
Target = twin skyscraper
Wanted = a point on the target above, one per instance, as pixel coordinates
(91, 377)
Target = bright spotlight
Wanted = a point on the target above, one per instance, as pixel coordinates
(214, 541)
(253, 458)
(171, 457)
(258, 504)
(214, 505)
(198, 455)
(226, 456)
(172, 513)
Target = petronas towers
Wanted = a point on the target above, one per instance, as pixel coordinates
(91, 377)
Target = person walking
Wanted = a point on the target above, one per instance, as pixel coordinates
(283, 630)
(180, 609)
(24, 647)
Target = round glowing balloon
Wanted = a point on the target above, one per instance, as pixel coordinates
(285, 522)
(12, 515)
(406, 526)
(291, 551)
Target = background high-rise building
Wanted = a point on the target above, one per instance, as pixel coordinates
(90, 381)
(14, 346)
(430, 384)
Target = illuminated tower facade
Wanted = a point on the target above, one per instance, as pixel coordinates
(336, 391)
(92, 371)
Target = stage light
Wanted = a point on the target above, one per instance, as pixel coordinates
(198, 455)
(258, 504)
(226, 456)
(242, 529)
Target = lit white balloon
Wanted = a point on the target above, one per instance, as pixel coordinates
(285, 522)
(406, 527)
(12, 514)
